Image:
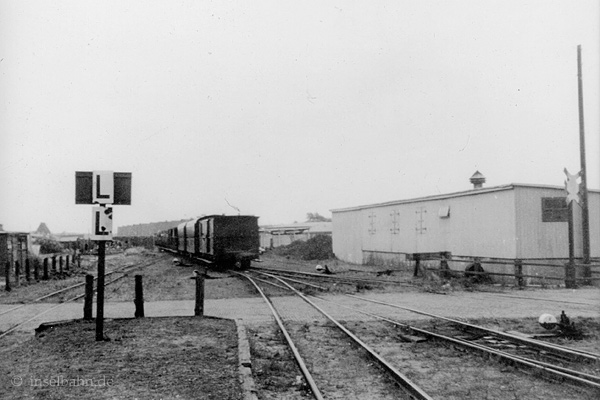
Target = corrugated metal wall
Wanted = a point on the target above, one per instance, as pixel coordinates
(347, 231)
(594, 200)
(482, 224)
(502, 222)
(538, 239)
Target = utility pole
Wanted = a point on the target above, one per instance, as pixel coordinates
(583, 192)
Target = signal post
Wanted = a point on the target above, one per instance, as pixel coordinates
(102, 189)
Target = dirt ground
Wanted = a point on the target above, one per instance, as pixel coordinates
(183, 358)
(444, 372)
(159, 358)
(33, 290)
(163, 279)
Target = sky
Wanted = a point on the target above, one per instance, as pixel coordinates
(278, 109)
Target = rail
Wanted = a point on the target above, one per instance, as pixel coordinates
(553, 371)
(299, 360)
(410, 388)
(548, 347)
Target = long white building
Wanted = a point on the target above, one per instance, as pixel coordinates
(514, 221)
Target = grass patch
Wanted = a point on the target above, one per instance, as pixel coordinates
(152, 358)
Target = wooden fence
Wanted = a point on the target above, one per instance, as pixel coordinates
(48, 266)
(557, 271)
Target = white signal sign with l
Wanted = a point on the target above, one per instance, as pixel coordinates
(101, 223)
(103, 187)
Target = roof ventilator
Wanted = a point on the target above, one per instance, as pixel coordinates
(477, 180)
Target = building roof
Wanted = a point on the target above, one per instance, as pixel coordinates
(312, 227)
(43, 230)
(14, 233)
(477, 175)
(471, 192)
(69, 238)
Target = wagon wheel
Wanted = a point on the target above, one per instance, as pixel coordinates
(242, 264)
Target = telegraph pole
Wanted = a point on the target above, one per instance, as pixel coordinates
(583, 192)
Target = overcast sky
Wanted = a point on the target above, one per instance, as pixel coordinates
(283, 108)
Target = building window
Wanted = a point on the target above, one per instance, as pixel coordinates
(555, 209)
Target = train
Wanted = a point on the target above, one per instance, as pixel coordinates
(224, 241)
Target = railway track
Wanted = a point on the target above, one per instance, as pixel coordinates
(408, 389)
(545, 347)
(560, 352)
(521, 346)
(332, 278)
(373, 281)
(548, 348)
(544, 358)
(122, 270)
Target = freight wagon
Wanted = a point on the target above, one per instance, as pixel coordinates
(225, 241)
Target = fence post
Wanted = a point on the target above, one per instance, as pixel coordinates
(445, 269)
(199, 308)
(53, 265)
(139, 297)
(17, 273)
(60, 264)
(417, 265)
(89, 297)
(36, 269)
(46, 277)
(67, 262)
(519, 273)
(570, 281)
(7, 272)
(27, 270)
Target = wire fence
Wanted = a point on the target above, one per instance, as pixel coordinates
(523, 272)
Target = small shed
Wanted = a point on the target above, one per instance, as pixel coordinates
(514, 221)
(13, 248)
(281, 235)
